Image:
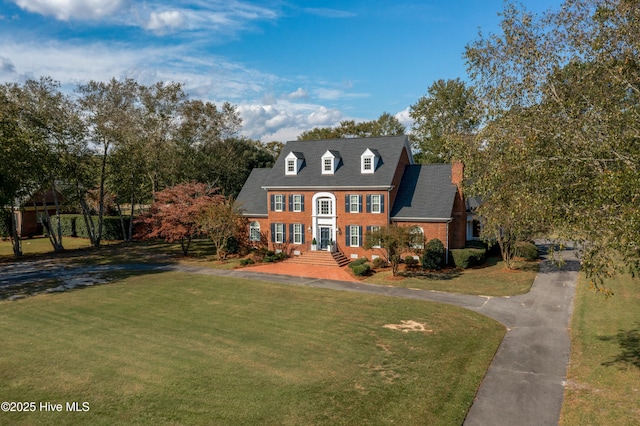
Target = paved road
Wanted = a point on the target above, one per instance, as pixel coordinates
(525, 382)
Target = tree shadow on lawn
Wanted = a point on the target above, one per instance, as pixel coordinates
(71, 281)
(629, 342)
(442, 275)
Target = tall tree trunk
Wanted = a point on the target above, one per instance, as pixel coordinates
(103, 178)
(16, 237)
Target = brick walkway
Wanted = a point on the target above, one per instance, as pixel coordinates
(309, 271)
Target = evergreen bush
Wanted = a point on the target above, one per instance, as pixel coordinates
(433, 257)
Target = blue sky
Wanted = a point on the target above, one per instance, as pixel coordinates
(288, 66)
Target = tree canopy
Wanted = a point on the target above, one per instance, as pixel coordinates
(445, 120)
(385, 125)
(561, 145)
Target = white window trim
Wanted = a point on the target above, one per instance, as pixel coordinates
(319, 208)
(297, 233)
(278, 233)
(351, 204)
(368, 154)
(254, 227)
(417, 230)
(275, 202)
(328, 155)
(299, 203)
(378, 204)
(354, 232)
(297, 163)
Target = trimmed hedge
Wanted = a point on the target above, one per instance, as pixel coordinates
(468, 257)
(73, 225)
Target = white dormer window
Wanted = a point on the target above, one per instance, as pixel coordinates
(293, 163)
(369, 161)
(330, 162)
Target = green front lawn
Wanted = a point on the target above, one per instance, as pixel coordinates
(174, 348)
(603, 386)
(491, 279)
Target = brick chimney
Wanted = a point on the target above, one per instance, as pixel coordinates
(459, 213)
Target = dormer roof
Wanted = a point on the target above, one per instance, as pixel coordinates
(390, 150)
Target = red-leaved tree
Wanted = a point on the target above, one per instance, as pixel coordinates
(175, 213)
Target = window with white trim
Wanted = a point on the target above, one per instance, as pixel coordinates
(297, 203)
(278, 202)
(417, 237)
(376, 203)
(327, 165)
(278, 232)
(354, 236)
(297, 233)
(354, 203)
(369, 161)
(291, 166)
(367, 164)
(254, 231)
(325, 207)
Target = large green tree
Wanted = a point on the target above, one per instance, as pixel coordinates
(564, 88)
(444, 121)
(385, 125)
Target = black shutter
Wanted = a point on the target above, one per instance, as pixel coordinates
(302, 205)
(273, 232)
(347, 198)
(302, 238)
(290, 202)
(347, 231)
(360, 203)
(368, 203)
(291, 232)
(273, 202)
(381, 203)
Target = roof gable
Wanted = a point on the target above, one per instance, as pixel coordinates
(425, 193)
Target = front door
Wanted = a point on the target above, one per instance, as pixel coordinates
(325, 236)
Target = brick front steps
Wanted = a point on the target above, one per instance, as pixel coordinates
(320, 258)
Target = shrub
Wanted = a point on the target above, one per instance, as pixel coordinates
(247, 261)
(361, 269)
(527, 250)
(433, 257)
(468, 257)
(357, 262)
(379, 262)
(410, 261)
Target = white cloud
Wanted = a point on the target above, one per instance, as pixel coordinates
(298, 94)
(284, 120)
(336, 94)
(404, 118)
(267, 115)
(73, 9)
(159, 21)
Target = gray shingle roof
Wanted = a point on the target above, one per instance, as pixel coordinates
(425, 192)
(348, 174)
(252, 198)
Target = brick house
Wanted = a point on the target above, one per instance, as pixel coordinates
(334, 191)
